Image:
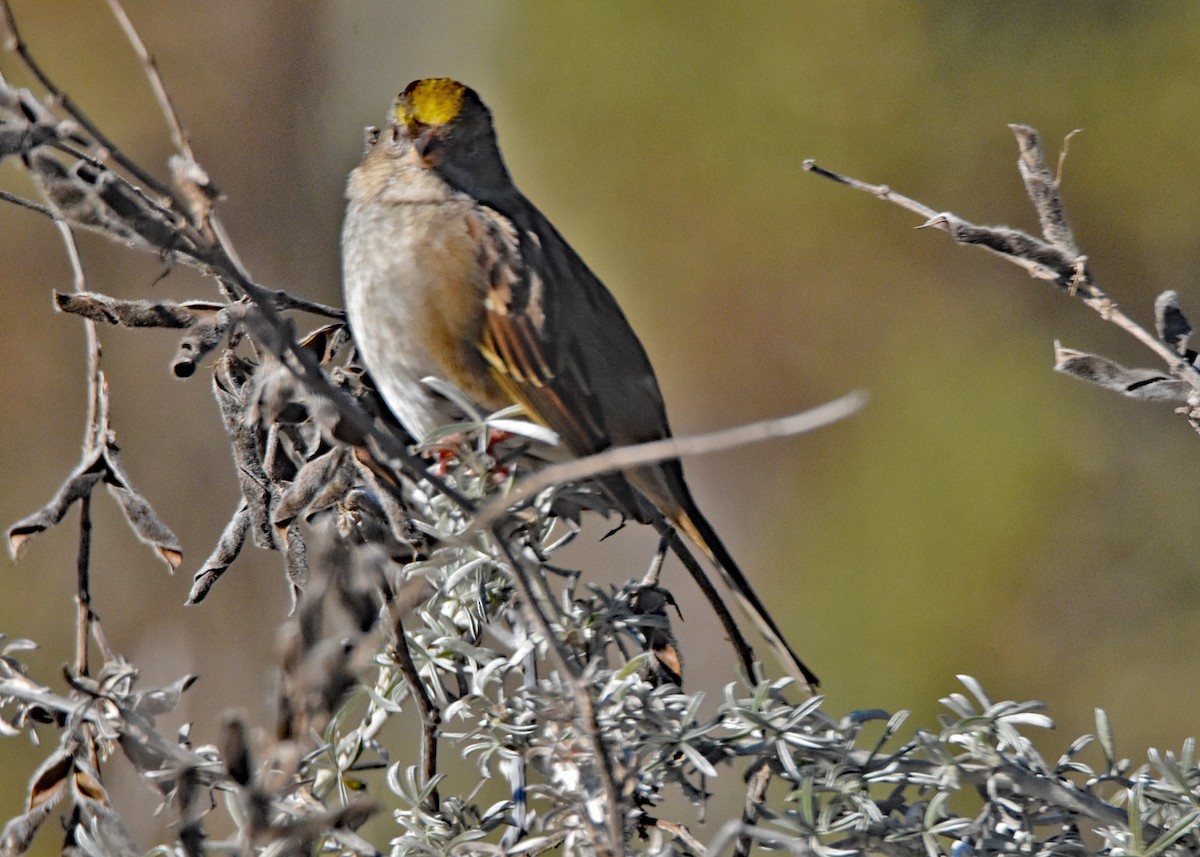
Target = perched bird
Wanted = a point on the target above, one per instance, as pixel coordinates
(449, 271)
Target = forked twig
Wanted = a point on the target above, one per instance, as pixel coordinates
(17, 44)
(1056, 258)
(94, 438)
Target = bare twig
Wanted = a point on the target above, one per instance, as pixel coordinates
(83, 589)
(756, 794)
(17, 44)
(21, 202)
(179, 136)
(286, 301)
(1056, 259)
(430, 715)
(97, 417)
(624, 457)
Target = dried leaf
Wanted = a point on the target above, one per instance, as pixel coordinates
(146, 524)
(50, 782)
(325, 341)
(154, 225)
(78, 485)
(278, 397)
(1042, 188)
(16, 139)
(650, 603)
(1049, 263)
(227, 550)
(372, 518)
(320, 483)
(160, 700)
(230, 382)
(74, 199)
(1146, 384)
(108, 310)
(1173, 327)
(296, 557)
(89, 787)
(193, 348)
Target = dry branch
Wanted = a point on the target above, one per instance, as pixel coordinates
(1056, 257)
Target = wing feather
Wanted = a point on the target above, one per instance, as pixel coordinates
(521, 347)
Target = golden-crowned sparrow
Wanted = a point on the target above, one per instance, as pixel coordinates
(449, 271)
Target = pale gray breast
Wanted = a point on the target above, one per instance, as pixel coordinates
(404, 238)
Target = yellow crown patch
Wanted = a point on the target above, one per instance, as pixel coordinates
(434, 101)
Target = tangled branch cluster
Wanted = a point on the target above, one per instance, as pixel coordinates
(567, 690)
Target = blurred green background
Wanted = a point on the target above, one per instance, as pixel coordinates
(982, 516)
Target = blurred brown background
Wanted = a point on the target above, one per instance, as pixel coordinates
(982, 516)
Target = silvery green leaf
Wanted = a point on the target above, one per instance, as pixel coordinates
(524, 428)
(976, 690)
(1029, 719)
(1105, 735)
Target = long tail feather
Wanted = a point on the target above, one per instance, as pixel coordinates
(699, 531)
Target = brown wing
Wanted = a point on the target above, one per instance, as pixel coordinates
(530, 360)
(559, 344)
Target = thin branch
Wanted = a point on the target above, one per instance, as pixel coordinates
(83, 588)
(624, 457)
(94, 438)
(1041, 259)
(286, 301)
(17, 44)
(756, 794)
(22, 202)
(178, 135)
(430, 715)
